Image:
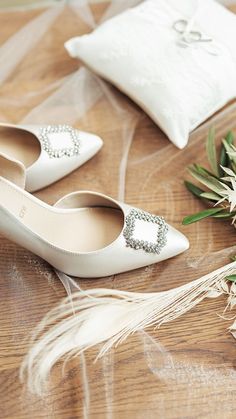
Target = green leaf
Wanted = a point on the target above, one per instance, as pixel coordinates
(229, 137)
(195, 190)
(227, 146)
(202, 171)
(225, 215)
(233, 258)
(231, 159)
(211, 151)
(211, 195)
(224, 161)
(231, 278)
(210, 181)
(200, 215)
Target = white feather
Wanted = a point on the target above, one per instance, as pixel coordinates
(85, 319)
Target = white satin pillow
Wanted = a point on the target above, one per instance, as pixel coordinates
(141, 53)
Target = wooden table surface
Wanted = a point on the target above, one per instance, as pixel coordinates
(183, 370)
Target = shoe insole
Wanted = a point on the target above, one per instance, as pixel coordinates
(77, 230)
(19, 144)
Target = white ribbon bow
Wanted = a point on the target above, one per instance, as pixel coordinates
(191, 37)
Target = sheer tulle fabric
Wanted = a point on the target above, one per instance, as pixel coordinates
(76, 96)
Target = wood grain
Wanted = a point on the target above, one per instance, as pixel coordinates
(194, 376)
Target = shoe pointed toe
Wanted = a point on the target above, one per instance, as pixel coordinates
(149, 239)
(177, 242)
(90, 144)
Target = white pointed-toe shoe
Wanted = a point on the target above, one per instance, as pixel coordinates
(48, 153)
(86, 234)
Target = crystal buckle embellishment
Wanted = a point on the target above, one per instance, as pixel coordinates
(149, 247)
(44, 137)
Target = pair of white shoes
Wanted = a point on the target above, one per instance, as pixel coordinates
(85, 234)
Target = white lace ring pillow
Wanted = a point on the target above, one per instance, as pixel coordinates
(176, 59)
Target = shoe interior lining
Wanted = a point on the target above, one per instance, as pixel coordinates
(20, 145)
(78, 230)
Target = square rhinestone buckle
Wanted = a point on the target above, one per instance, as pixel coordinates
(148, 247)
(44, 138)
